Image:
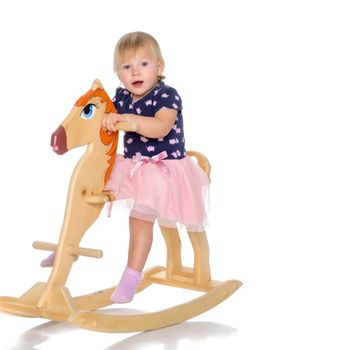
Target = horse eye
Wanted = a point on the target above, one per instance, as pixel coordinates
(88, 111)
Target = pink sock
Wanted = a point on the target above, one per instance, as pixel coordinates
(127, 286)
(49, 261)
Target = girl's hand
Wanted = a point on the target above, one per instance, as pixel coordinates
(109, 122)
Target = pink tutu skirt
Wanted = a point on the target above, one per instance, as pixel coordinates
(170, 191)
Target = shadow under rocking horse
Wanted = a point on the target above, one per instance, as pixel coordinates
(52, 300)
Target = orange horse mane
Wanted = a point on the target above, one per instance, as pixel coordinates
(106, 139)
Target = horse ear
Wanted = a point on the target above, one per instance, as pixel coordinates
(96, 84)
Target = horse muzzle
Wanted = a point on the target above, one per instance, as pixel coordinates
(59, 141)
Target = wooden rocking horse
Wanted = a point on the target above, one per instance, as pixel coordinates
(52, 300)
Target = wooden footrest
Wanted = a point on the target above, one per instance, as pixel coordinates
(91, 253)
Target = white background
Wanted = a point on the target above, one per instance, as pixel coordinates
(265, 86)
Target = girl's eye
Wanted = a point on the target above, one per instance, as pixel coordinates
(88, 111)
(126, 66)
(144, 64)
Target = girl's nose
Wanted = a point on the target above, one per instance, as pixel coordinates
(135, 70)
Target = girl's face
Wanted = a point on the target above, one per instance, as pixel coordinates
(139, 72)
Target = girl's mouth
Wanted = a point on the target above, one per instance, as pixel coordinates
(137, 83)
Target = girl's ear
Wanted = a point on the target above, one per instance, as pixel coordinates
(120, 82)
(160, 68)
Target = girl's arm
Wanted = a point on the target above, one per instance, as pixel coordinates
(152, 127)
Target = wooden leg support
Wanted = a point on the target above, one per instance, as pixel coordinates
(199, 241)
(200, 246)
(60, 303)
(173, 245)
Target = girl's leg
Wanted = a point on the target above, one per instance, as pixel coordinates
(141, 237)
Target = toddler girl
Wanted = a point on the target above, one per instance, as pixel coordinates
(154, 176)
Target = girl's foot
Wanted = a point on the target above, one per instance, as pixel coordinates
(49, 261)
(127, 286)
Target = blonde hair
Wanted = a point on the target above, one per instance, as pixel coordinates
(134, 41)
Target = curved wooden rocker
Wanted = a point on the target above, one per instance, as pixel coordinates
(86, 198)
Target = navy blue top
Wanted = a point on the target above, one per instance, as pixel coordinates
(161, 96)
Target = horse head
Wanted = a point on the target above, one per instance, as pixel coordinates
(82, 126)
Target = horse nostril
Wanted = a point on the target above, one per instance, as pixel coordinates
(59, 140)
